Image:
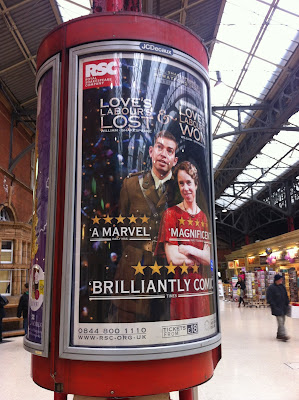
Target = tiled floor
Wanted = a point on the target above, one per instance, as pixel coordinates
(254, 365)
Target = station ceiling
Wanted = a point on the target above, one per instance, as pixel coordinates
(254, 73)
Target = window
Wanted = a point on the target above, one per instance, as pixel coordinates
(5, 281)
(5, 214)
(6, 252)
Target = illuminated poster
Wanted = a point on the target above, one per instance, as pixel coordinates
(143, 251)
(40, 211)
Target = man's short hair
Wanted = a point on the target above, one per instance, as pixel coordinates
(167, 135)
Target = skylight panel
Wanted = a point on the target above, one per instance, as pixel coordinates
(253, 171)
(290, 138)
(256, 188)
(229, 191)
(292, 158)
(228, 61)
(245, 178)
(258, 74)
(243, 99)
(287, 5)
(280, 169)
(275, 149)
(73, 10)
(237, 203)
(281, 34)
(270, 176)
(246, 193)
(216, 160)
(220, 94)
(222, 201)
(263, 161)
(240, 24)
(220, 146)
(294, 119)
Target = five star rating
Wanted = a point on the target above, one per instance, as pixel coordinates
(192, 222)
(139, 269)
(120, 219)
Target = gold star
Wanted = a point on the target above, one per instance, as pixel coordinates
(195, 268)
(155, 268)
(184, 268)
(181, 221)
(196, 222)
(170, 268)
(108, 219)
(120, 219)
(139, 268)
(132, 219)
(96, 219)
(202, 224)
(144, 219)
(190, 222)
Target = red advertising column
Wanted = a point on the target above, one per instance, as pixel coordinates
(123, 282)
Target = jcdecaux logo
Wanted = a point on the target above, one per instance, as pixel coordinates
(156, 48)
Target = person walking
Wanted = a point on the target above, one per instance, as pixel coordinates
(278, 299)
(3, 302)
(241, 286)
(23, 308)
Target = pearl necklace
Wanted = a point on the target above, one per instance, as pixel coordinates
(196, 210)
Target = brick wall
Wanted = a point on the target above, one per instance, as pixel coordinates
(15, 190)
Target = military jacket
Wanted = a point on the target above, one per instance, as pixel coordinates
(139, 198)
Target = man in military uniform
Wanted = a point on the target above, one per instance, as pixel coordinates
(145, 195)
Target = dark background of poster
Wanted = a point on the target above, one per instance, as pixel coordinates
(108, 157)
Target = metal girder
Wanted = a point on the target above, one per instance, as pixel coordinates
(251, 54)
(258, 222)
(178, 11)
(18, 37)
(17, 117)
(282, 107)
(19, 157)
(56, 12)
(268, 208)
(283, 195)
(183, 14)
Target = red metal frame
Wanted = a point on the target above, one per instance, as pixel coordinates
(60, 396)
(111, 379)
(186, 394)
(125, 379)
(116, 5)
(122, 26)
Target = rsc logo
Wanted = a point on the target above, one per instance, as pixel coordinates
(101, 69)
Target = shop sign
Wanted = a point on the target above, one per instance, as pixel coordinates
(252, 260)
(263, 260)
(242, 262)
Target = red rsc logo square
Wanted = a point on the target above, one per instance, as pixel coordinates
(101, 73)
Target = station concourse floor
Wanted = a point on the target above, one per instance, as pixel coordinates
(254, 365)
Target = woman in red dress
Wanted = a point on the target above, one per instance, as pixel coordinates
(184, 240)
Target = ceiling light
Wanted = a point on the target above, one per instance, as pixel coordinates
(218, 75)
